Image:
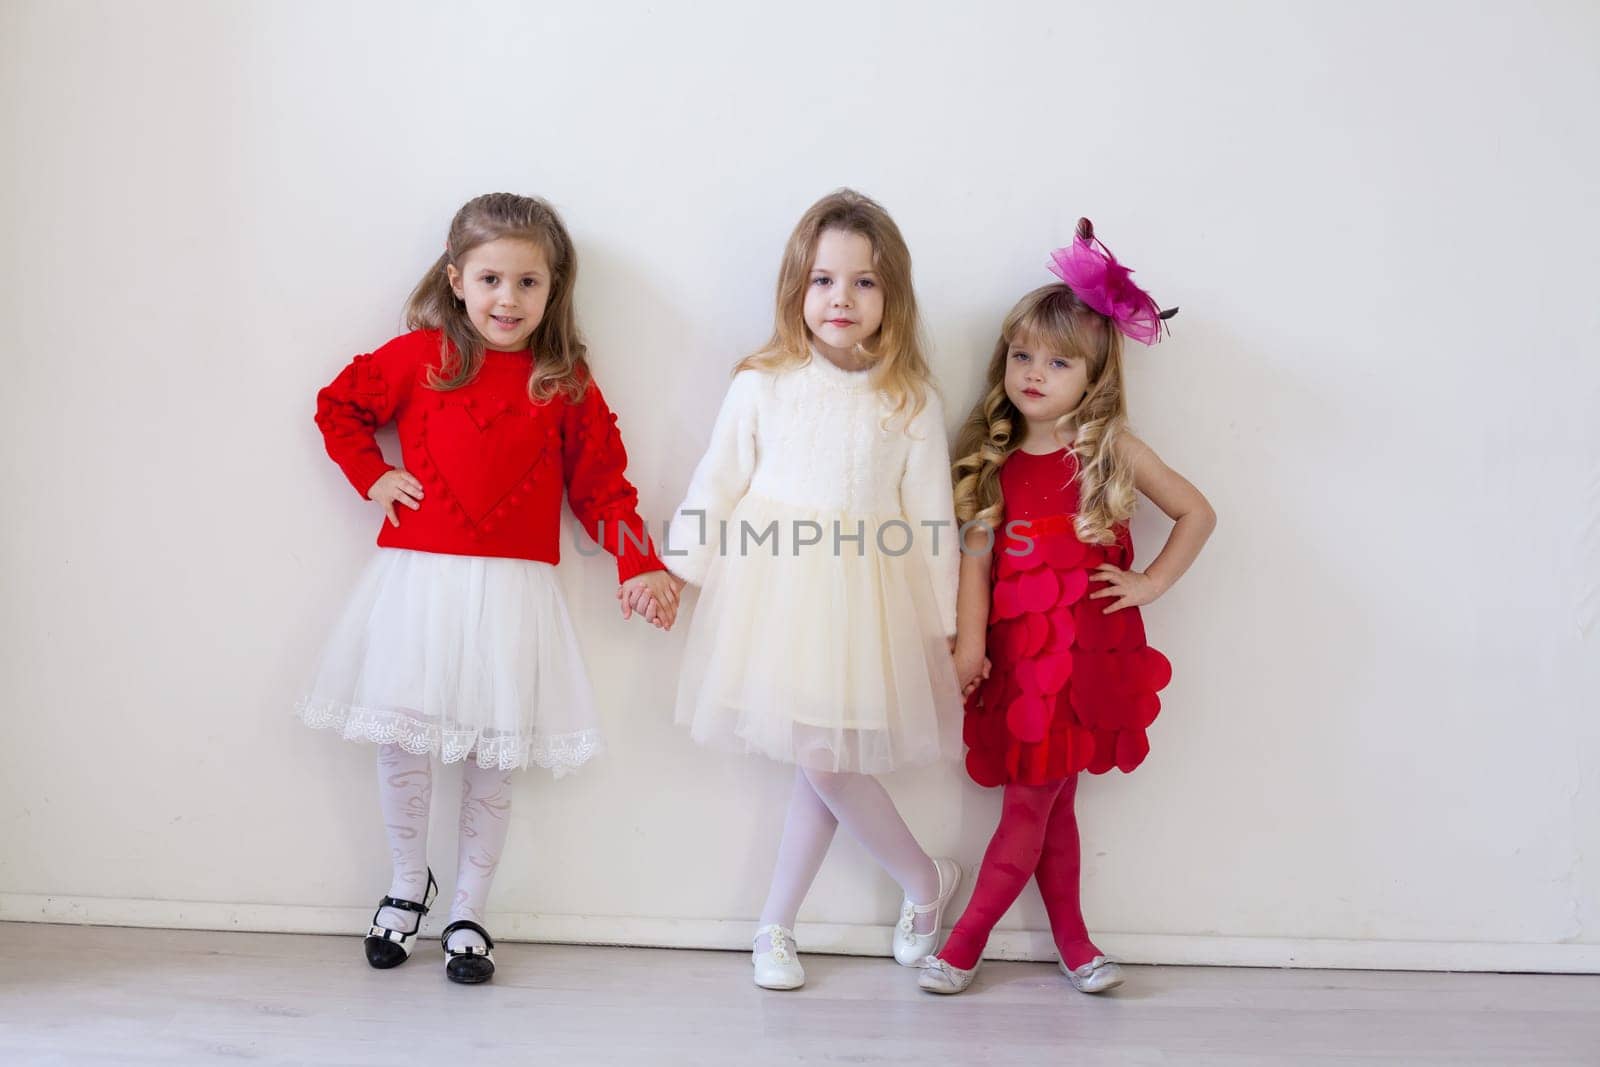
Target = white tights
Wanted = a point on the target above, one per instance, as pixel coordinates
(405, 793)
(821, 801)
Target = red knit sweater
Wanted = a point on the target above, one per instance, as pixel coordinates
(492, 463)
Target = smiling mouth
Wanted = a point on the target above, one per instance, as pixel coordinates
(505, 323)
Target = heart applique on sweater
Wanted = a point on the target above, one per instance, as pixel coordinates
(483, 454)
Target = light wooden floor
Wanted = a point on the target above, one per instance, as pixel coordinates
(91, 995)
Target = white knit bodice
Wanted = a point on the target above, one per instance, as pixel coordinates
(820, 439)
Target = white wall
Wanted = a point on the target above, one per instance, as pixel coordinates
(1379, 220)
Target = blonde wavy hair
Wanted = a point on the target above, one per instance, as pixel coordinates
(898, 367)
(559, 364)
(1054, 317)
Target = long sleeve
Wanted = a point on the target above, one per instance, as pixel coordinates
(929, 503)
(366, 395)
(719, 481)
(606, 503)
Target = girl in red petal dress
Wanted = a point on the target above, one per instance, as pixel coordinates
(1045, 481)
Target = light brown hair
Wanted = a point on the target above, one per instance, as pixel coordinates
(558, 352)
(899, 368)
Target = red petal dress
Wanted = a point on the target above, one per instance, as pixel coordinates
(1071, 689)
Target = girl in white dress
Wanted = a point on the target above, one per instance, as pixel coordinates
(820, 528)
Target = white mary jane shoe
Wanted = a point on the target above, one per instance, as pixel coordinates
(1096, 976)
(779, 966)
(940, 977)
(910, 947)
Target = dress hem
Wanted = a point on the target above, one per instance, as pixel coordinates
(560, 753)
(723, 742)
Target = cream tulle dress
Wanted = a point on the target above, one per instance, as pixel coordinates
(822, 535)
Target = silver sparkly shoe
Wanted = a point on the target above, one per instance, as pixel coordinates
(1096, 976)
(940, 977)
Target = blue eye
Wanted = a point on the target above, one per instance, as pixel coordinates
(1022, 356)
(1059, 363)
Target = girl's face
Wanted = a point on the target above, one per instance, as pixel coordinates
(504, 285)
(844, 300)
(1044, 384)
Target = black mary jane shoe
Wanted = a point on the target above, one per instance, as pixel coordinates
(470, 965)
(390, 948)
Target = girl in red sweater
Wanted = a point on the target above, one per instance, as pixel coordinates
(1068, 683)
(456, 644)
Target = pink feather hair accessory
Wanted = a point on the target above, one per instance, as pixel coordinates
(1089, 268)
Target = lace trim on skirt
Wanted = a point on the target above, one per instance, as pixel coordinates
(561, 753)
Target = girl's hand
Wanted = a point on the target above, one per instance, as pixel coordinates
(654, 595)
(642, 604)
(1131, 588)
(972, 666)
(396, 487)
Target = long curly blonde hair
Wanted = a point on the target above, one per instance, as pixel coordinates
(1052, 316)
(899, 368)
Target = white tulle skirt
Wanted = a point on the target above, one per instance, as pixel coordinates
(836, 661)
(458, 656)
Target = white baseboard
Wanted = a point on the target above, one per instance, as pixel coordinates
(843, 938)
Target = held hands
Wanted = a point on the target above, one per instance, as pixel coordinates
(1131, 588)
(653, 596)
(396, 487)
(972, 666)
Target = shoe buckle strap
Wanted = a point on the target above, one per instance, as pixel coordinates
(403, 905)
